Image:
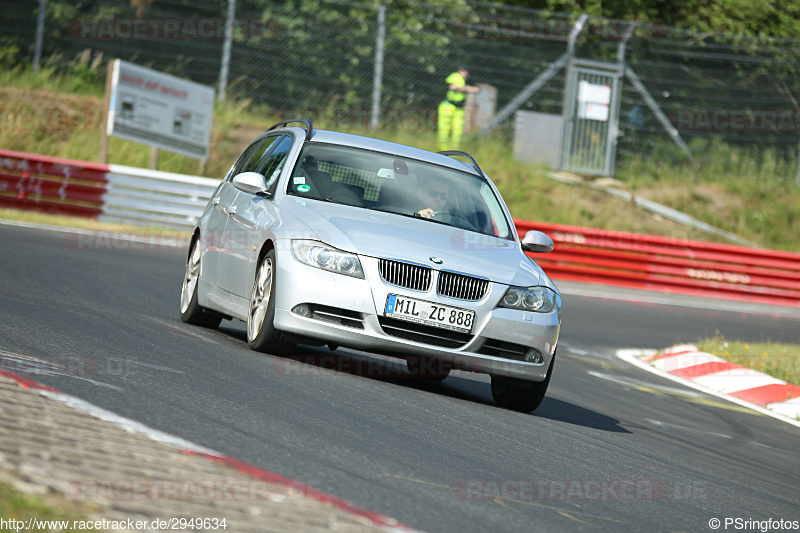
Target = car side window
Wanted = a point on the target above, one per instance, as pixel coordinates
(257, 155)
(244, 158)
(271, 165)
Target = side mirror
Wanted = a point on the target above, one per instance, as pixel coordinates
(250, 182)
(537, 242)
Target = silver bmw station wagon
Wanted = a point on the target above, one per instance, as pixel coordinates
(325, 238)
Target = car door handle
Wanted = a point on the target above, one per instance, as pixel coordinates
(230, 211)
(215, 201)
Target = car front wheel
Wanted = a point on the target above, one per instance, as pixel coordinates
(518, 394)
(191, 312)
(261, 333)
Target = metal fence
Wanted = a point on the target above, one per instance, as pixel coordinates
(682, 93)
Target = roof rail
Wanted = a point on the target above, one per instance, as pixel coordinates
(459, 153)
(309, 127)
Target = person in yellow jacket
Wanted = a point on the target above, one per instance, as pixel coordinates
(451, 110)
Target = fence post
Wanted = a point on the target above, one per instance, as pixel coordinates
(37, 51)
(538, 82)
(577, 28)
(226, 52)
(798, 166)
(671, 130)
(106, 111)
(377, 79)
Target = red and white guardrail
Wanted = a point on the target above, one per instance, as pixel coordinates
(106, 192)
(669, 264)
(30, 181)
(128, 194)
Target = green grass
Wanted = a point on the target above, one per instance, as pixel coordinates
(781, 361)
(751, 195)
(18, 506)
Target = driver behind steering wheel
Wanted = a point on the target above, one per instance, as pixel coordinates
(433, 197)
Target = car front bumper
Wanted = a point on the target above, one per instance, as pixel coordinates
(348, 311)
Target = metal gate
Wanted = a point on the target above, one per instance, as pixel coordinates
(591, 117)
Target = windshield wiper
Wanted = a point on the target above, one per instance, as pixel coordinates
(321, 199)
(412, 215)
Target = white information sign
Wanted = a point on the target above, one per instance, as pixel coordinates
(153, 108)
(593, 101)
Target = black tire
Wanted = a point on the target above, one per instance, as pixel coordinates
(261, 333)
(191, 312)
(518, 394)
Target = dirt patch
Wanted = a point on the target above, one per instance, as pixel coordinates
(26, 110)
(616, 214)
(693, 198)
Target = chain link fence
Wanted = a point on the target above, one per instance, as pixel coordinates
(318, 58)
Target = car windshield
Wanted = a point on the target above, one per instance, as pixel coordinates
(409, 187)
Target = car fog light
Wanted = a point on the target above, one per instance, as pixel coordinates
(302, 310)
(533, 356)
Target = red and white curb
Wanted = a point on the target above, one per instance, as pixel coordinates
(716, 376)
(377, 519)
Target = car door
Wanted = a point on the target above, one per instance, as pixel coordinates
(250, 216)
(225, 195)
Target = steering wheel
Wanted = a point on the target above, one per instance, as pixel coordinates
(454, 219)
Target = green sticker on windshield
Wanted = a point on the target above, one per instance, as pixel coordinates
(303, 188)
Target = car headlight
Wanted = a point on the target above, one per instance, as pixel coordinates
(536, 299)
(320, 255)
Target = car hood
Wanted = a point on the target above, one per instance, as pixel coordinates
(392, 236)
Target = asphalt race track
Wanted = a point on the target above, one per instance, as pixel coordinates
(612, 448)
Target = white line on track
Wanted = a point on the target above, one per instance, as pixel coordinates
(154, 367)
(667, 425)
(118, 235)
(640, 383)
(684, 428)
(178, 330)
(597, 354)
(27, 364)
(127, 423)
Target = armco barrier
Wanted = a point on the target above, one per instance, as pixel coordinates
(127, 194)
(138, 196)
(669, 265)
(29, 181)
(107, 192)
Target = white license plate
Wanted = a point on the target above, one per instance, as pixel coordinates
(429, 313)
